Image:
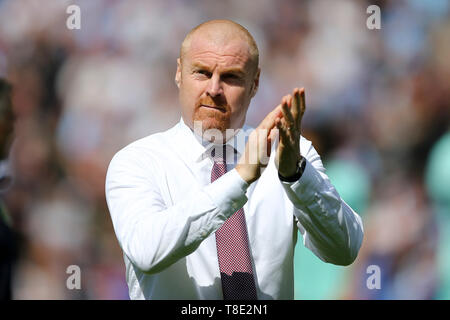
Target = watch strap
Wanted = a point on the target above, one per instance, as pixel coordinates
(301, 164)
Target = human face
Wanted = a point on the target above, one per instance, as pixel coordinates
(217, 81)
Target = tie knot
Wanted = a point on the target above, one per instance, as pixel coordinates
(219, 154)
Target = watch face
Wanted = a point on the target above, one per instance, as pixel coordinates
(301, 165)
(302, 162)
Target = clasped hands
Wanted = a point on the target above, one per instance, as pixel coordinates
(284, 123)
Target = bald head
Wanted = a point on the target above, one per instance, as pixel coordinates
(221, 32)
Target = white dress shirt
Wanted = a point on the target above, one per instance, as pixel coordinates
(165, 212)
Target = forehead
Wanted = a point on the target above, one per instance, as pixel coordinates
(221, 51)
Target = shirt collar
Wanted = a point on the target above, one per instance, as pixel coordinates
(200, 149)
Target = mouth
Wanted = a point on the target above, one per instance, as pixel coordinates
(222, 109)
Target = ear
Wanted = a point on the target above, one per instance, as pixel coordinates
(178, 73)
(255, 84)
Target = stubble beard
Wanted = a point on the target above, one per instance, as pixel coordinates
(212, 120)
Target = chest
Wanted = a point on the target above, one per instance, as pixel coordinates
(268, 211)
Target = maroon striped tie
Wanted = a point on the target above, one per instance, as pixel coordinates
(233, 250)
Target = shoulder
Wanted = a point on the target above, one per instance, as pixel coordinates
(145, 151)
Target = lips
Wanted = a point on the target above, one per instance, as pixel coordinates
(222, 109)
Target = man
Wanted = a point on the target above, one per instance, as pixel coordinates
(7, 237)
(193, 223)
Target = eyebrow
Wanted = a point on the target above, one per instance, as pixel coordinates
(234, 70)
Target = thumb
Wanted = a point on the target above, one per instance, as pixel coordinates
(269, 120)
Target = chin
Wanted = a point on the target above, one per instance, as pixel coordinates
(213, 120)
(214, 124)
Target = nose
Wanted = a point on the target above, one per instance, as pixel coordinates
(214, 86)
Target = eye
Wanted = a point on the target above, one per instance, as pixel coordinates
(232, 78)
(203, 72)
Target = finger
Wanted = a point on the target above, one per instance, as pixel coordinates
(278, 111)
(295, 108)
(269, 146)
(290, 101)
(302, 103)
(269, 120)
(302, 107)
(274, 132)
(283, 132)
(287, 112)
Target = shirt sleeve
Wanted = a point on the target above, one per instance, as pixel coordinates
(330, 228)
(152, 235)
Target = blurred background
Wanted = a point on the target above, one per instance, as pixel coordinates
(378, 106)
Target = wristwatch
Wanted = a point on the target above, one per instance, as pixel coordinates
(301, 164)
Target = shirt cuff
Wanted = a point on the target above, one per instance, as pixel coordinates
(304, 189)
(228, 192)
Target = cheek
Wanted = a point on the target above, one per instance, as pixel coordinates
(239, 100)
(194, 89)
(189, 93)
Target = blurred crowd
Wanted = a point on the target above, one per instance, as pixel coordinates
(377, 102)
